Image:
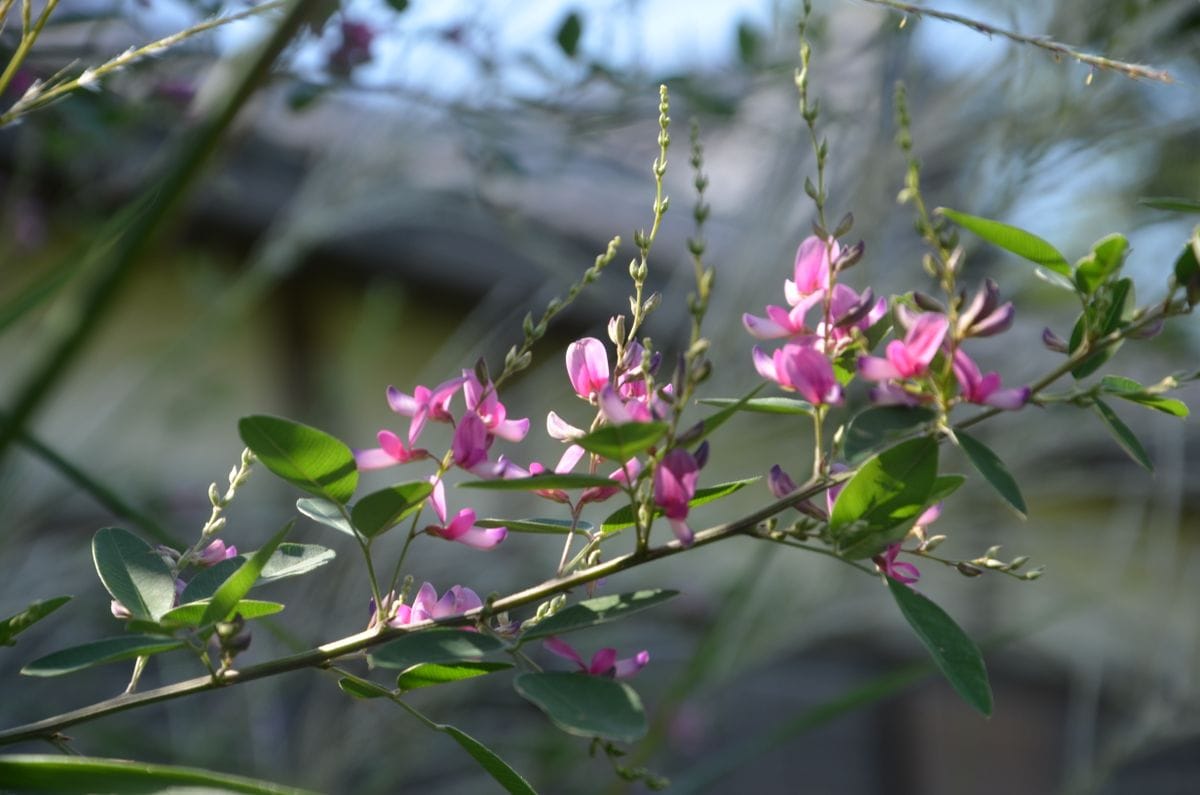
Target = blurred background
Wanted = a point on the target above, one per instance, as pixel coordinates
(419, 175)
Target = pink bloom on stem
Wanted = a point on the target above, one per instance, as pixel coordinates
(618, 411)
(470, 444)
(482, 400)
(587, 366)
(675, 480)
(215, 552)
(801, 369)
(985, 389)
(985, 315)
(424, 404)
(603, 662)
(462, 527)
(911, 357)
(427, 606)
(899, 571)
(781, 322)
(812, 269)
(390, 452)
(601, 493)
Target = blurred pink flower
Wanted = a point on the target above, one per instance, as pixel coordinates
(675, 480)
(390, 452)
(801, 369)
(911, 357)
(985, 389)
(603, 662)
(587, 366)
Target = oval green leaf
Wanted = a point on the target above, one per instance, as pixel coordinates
(226, 597)
(875, 427)
(99, 652)
(78, 775)
(993, 470)
(191, 614)
(1010, 238)
(16, 624)
(307, 458)
(325, 512)
(586, 706)
(293, 560)
(439, 645)
(133, 573)
(622, 442)
(512, 781)
(380, 511)
(599, 610)
(955, 654)
(431, 674)
(206, 582)
(883, 499)
(363, 688)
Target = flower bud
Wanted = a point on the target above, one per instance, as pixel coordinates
(967, 570)
(1054, 342)
(928, 302)
(616, 329)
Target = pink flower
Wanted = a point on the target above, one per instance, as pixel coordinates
(470, 445)
(675, 480)
(462, 527)
(812, 269)
(618, 411)
(985, 316)
(424, 404)
(985, 389)
(781, 322)
(910, 358)
(427, 606)
(482, 400)
(391, 451)
(899, 571)
(801, 369)
(587, 366)
(603, 663)
(214, 553)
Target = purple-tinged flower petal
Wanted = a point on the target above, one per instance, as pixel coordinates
(1054, 342)
(560, 429)
(471, 442)
(602, 662)
(780, 483)
(985, 389)
(906, 573)
(216, 552)
(764, 364)
(810, 373)
(623, 669)
(682, 531)
(1009, 399)
(587, 366)
(891, 394)
(675, 482)
(564, 650)
(811, 271)
(873, 368)
(922, 342)
(763, 328)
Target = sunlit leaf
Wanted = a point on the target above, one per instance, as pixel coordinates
(307, 458)
(875, 427)
(884, 498)
(546, 481)
(1122, 434)
(1131, 390)
(586, 706)
(622, 518)
(767, 405)
(1176, 204)
(1106, 258)
(99, 652)
(325, 512)
(713, 421)
(1018, 241)
(622, 442)
(431, 674)
(292, 560)
(206, 582)
(439, 645)
(362, 688)
(225, 599)
(191, 614)
(993, 470)
(16, 624)
(380, 511)
(554, 526)
(133, 572)
(598, 610)
(82, 775)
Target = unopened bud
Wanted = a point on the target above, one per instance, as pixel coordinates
(933, 542)
(1018, 562)
(1033, 575)
(967, 570)
(927, 302)
(652, 303)
(1054, 342)
(992, 552)
(481, 369)
(527, 324)
(616, 329)
(845, 225)
(214, 495)
(849, 257)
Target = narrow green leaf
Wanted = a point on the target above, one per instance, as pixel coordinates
(621, 442)
(873, 428)
(709, 424)
(292, 560)
(1131, 390)
(16, 624)
(82, 775)
(191, 614)
(437, 645)
(955, 654)
(431, 674)
(554, 526)
(380, 511)
(547, 481)
(767, 405)
(501, 771)
(993, 470)
(99, 652)
(133, 573)
(568, 34)
(241, 581)
(325, 512)
(586, 706)
(1176, 204)
(598, 610)
(1122, 434)
(884, 498)
(307, 458)
(944, 486)
(622, 518)
(206, 582)
(1018, 241)
(1106, 258)
(363, 688)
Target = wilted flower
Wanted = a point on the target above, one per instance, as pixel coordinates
(603, 662)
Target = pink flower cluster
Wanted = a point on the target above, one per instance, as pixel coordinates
(426, 606)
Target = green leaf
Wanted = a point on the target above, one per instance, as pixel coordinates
(99, 652)
(1176, 204)
(307, 458)
(993, 470)
(586, 706)
(241, 581)
(568, 34)
(292, 560)
(437, 645)
(621, 442)
(431, 674)
(1123, 435)
(872, 428)
(325, 512)
(399, 6)
(207, 581)
(555, 526)
(547, 481)
(363, 688)
(1128, 389)
(1018, 241)
(501, 771)
(944, 486)
(706, 426)
(82, 775)
(1106, 258)
(191, 614)
(16, 624)
(133, 573)
(883, 499)
(767, 405)
(598, 610)
(1187, 267)
(380, 511)
(749, 42)
(622, 518)
(955, 654)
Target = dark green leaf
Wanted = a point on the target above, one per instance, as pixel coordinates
(431, 674)
(1187, 267)
(1018, 241)
(363, 688)
(993, 470)
(622, 442)
(1106, 258)
(767, 405)
(133, 573)
(399, 6)
(382, 510)
(955, 654)
(82, 775)
(884, 498)
(749, 42)
(568, 34)
(437, 645)
(191, 614)
(586, 706)
(944, 486)
(1124, 436)
(1176, 204)
(16, 624)
(307, 458)
(505, 776)
(241, 581)
(207, 581)
(537, 482)
(292, 560)
(622, 518)
(326, 513)
(555, 526)
(714, 421)
(598, 610)
(875, 427)
(98, 652)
